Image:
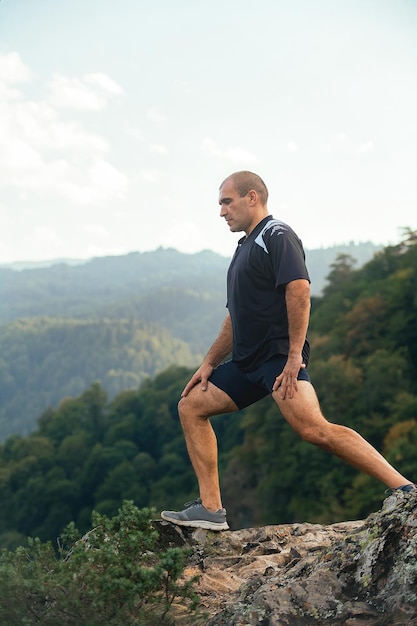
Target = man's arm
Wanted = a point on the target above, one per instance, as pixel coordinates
(297, 298)
(218, 351)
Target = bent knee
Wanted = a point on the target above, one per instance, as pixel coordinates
(189, 408)
(205, 404)
(310, 435)
(183, 406)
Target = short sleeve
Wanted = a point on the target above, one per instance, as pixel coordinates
(286, 254)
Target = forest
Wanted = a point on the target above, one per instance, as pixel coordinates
(112, 320)
(93, 451)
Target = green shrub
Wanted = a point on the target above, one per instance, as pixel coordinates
(114, 576)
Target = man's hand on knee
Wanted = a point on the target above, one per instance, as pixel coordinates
(200, 376)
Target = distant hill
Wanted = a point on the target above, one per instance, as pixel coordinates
(115, 320)
(85, 288)
(43, 360)
(319, 261)
(31, 265)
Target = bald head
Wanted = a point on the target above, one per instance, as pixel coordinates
(245, 181)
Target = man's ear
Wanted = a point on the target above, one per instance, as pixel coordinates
(253, 196)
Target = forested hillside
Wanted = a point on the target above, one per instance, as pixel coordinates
(115, 320)
(43, 360)
(91, 452)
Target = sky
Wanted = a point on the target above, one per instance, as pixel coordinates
(119, 121)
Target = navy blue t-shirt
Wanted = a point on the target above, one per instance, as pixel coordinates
(262, 265)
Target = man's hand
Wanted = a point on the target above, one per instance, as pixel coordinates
(286, 382)
(201, 375)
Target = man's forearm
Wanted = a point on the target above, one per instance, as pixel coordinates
(222, 345)
(297, 297)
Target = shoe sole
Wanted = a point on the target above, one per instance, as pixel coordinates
(197, 523)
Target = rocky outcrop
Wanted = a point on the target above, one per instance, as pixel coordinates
(361, 573)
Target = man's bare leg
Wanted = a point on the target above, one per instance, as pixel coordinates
(195, 410)
(304, 415)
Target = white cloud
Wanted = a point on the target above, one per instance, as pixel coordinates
(134, 132)
(41, 151)
(24, 167)
(100, 183)
(88, 93)
(104, 82)
(159, 149)
(185, 86)
(47, 236)
(236, 154)
(366, 146)
(342, 136)
(150, 175)
(12, 69)
(8, 93)
(106, 177)
(343, 142)
(187, 236)
(96, 230)
(92, 251)
(73, 93)
(292, 146)
(155, 115)
(39, 124)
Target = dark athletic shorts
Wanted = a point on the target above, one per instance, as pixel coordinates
(246, 388)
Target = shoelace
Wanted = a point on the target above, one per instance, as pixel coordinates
(192, 503)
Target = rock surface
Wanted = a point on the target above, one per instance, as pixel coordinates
(361, 573)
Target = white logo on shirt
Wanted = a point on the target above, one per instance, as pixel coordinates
(277, 226)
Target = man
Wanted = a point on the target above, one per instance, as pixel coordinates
(268, 300)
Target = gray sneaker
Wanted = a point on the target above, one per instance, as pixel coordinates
(195, 515)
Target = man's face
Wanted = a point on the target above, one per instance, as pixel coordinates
(235, 210)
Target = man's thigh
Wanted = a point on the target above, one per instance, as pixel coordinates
(211, 401)
(302, 410)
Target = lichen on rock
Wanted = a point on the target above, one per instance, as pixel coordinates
(347, 574)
